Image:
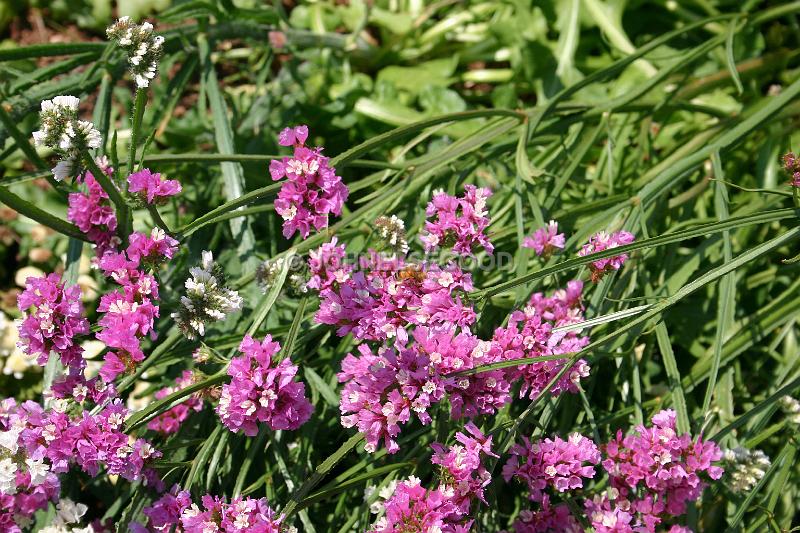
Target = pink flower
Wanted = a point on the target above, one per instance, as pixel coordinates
(170, 421)
(548, 519)
(560, 464)
(791, 164)
(654, 473)
(312, 189)
(262, 390)
(92, 213)
(545, 241)
(151, 250)
(459, 223)
(327, 267)
(52, 316)
(175, 511)
(413, 508)
(151, 188)
(603, 241)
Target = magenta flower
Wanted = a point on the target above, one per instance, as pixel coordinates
(170, 421)
(151, 250)
(327, 267)
(262, 389)
(603, 241)
(312, 190)
(52, 316)
(151, 188)
(654, 473)
(413, 508)
(791, 164)
(557, 463)
(458, 223)
(547, 519)
(545, 241)
(92, 213)
(175, 511)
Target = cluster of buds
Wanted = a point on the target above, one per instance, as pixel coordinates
(746, 467)
(65, 133)
(144, 48)
(392, 231)
(791, 408)
(207, 299)
(267, 274)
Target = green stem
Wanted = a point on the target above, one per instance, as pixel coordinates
(124, 220)
(42, 217)
(138, 112)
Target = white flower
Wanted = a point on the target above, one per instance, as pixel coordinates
(8, 476)
(38, 471)
(10, 439)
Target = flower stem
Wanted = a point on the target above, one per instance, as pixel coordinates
(124, 220)
(138, 112)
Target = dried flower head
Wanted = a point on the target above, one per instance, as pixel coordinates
(144, 48)
(65, 133)
(745, 467)
(207, 299)
(392, 231)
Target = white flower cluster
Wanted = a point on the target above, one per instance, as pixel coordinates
(143, 47)
(268, 271)
(386, 492)
(791, 407)
(207, 298)
(68, 517)
(13, 460)
(65, 133)
(392, 230)
(745, 467)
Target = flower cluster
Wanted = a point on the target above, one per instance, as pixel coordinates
(791, 164)
(791, 408)
(262, 390)
(130, 314)
(312, 189)
(603, 241)
(92, 213)
(561, 464)
(745, 467)
(175, 511)
(326, 266)
(68, 517)
(545, 241)
(458, 223)
(547, 519)
(150, 188)
(268, 272)
(65, 133)
(170, 421)
(392, 231)
(652, 475)
(207, 299)
(462, 480)
(387, 293)
(144, 48)
(52, 316)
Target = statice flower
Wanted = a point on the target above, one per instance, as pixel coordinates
(462, 474)
(143, 47)
(268, 272)
(530, 333)
(130, 314)
(52, 317)
(312, 190)
(548, 519)
(170, 421)
(175, 511)
(545, 241)
(603, 241)
(653, 474)
(150, 188)
(65, 133)
(392, 232)
(791, 408)
(791, 164)
(458, 223)
(92, 213)
(386, 293)
(262, 389)
(207, 299)
(557, 463)
(327, 266)
(413, 508)
(76, 386)
(745, 467)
